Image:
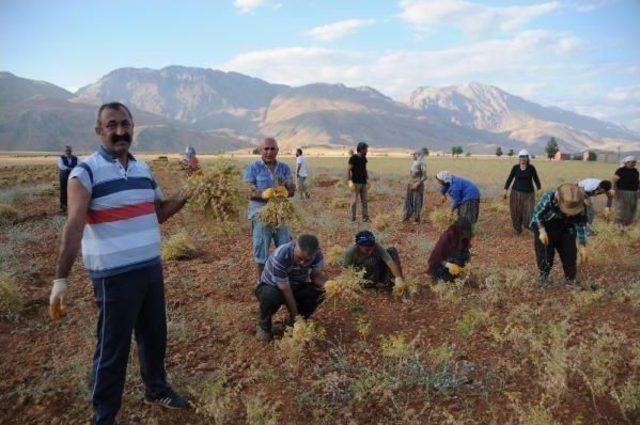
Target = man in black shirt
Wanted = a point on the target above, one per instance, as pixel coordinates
(627, 181)
(357, 180)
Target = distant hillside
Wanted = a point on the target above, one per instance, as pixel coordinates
(214, 110)
(485, 107)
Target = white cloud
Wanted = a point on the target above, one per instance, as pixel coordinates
(586, 6)
(569, 44)
(625, 94)
(339, 29)
(247, 6)
(474, 18)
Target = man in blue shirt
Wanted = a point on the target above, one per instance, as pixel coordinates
(292, 276)
(465, 196)
(264, 174)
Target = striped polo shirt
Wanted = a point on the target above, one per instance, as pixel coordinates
(122, 232)
(281, 267)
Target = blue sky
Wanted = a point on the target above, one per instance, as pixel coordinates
(582, 55)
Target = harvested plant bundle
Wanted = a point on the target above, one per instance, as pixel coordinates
(407, 288)
(216, 191)
(278, 212)
(334, 255)
(441, 218)
(178, 247)
(347, 286)
(299, 338)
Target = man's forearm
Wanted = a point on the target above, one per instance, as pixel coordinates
(289, 299)
(393, 266)
(169, 207)
(69, 247)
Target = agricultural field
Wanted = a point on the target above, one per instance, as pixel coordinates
(493, 348)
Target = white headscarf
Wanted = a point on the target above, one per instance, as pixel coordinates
(444, 176)
(524, 152)
(626, 159)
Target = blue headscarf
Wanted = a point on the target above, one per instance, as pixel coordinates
(365, 238)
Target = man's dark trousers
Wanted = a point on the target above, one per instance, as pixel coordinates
(63, 175)
(128, 302)
(562, 238)
(307, 295)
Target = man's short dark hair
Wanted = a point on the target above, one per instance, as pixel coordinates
(299, 151)
(361, 146)
(112, 105)
(605, 185)
(308, 244)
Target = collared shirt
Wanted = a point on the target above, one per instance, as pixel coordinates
(281, 268)
(67, 163)
(261, 177)
(302, 162)
(460, 190)
(122, 232)
(547, 209)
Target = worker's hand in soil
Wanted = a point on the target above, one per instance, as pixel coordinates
(584, 255)
(57, 308)
(454, 269)
(268, 193)
(544, 238)
(606, 213)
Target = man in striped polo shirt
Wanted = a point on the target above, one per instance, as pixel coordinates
(115, 207)
(292, 276)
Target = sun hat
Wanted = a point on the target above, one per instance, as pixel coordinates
(570, 199)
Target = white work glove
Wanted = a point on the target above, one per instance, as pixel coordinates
(56, 299)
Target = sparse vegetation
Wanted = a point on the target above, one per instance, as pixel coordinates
(179, 247)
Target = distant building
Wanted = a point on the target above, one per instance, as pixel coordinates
(560, 156)
(602, 156)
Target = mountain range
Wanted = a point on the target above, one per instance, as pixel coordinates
(215, 111)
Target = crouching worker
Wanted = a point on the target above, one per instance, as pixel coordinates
(292, 276)
(558, 218)
(451, 253)
(592, 188)
(382, 266)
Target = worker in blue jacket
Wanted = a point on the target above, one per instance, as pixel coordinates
(465, 196)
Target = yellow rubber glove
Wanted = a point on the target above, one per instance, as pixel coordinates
(352, 186)
(606, 213)
(268, 193)
(281, 192)
(584, 255)
(544, 238)
(454, 269)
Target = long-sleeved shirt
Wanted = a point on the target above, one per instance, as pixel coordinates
(523, 179)
(460, 190)
(547, 209)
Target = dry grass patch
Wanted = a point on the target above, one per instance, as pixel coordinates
(179, 247)
(8, 214)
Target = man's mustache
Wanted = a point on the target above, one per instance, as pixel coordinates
(120, 138)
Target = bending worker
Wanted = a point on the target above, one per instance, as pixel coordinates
(382, 266)
(593, 187)
(558, 219)
(465, 196)
(293, 277)
(452, 251)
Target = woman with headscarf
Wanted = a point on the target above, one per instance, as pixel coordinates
(465, 196)
(627, 182)
(189, 160)
(451, 252)
(522, 198)
(415, 188)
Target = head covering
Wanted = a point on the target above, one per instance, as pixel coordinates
(445, 176)
(365, 238)
(190, 151)
(626, 159)
(570, 199)
(524, 152)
